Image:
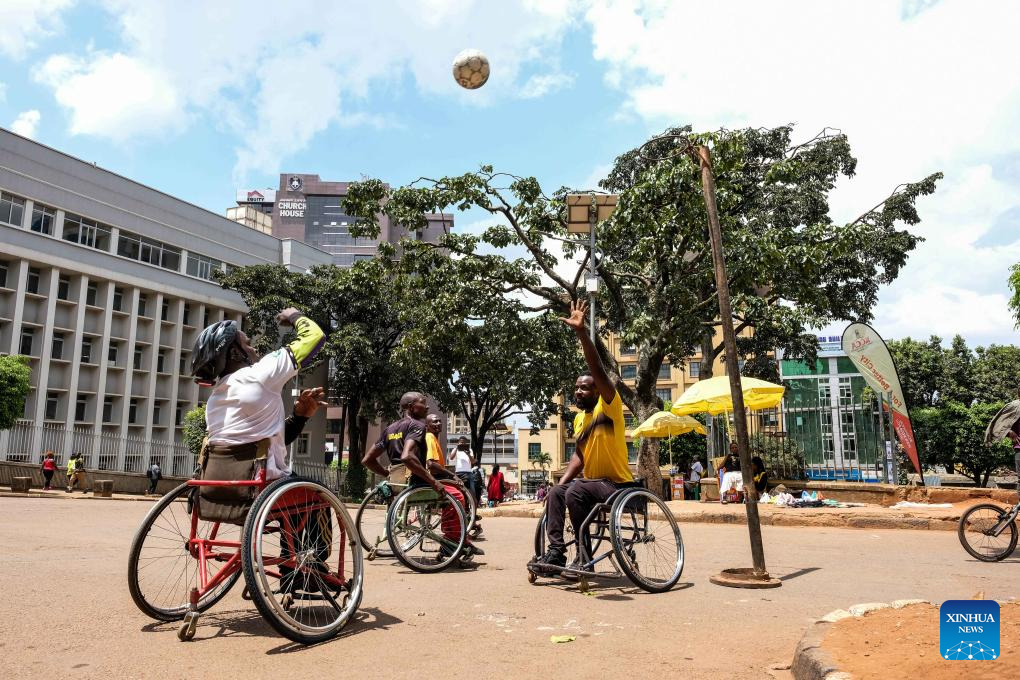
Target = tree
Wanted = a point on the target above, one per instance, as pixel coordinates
(922, 369)
(543, 461)
(996, 371)
(1014, 285)
(953, 433)
(15, 384)
(194, 429)
(791, 266)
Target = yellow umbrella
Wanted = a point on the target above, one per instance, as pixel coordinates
(665, 424)
(712, 396)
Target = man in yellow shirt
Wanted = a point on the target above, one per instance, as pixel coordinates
(601, 452)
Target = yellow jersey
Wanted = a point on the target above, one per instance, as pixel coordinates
(602, 441)
(432, 449)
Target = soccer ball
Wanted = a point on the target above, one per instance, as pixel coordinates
(471, 69)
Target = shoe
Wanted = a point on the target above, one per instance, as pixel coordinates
(554, 560)
(471, 550)
(568, 576)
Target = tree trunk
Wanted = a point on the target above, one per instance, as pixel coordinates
(708, 354)
(648, 454)
(354, 484)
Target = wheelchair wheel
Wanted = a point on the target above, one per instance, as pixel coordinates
(978, 538)
(415, 530)
(646, 540)
(542, 539)
(302, 560)
(370, 521)
(163, 567)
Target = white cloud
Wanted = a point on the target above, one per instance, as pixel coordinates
(112, 95)
(26, 123)
(917, 86)
(24, 22)
(540, 85)
(277, 81)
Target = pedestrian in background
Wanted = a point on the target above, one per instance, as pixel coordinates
(70, 471)
(49, 466)
(693, 483)
(497, 486)
(76, 472)
(540, 494)
(154, 474)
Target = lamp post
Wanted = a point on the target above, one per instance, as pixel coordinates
(584, 211)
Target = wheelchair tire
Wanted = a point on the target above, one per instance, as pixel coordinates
(655, 569)
(973, 537)
(413, 527)
(311, 600)
(367, 524)
(159, 559)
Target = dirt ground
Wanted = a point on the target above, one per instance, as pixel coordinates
(66, 611)
(904, 643)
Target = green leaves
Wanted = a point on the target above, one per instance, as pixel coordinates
(1014, 285)
(15, 377)
(953, 434)
(194, 430)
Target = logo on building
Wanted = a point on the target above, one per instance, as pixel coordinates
(295, 183)
(255, 197)
(969, 630)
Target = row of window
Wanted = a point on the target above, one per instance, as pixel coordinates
(629, 371)
(53, 401)
(27, 347)
(87, 232)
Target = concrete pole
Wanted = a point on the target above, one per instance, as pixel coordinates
(730, 345)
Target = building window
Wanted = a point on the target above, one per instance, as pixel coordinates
(3, 274)
(694, 369)
(111, 354)
(665, 394)
(628, 371)
(205, 318)
(664, 373)
(118, 299)
(187, 314)
(27, 337)
(63, 288)
(32, 284)
(133, 411)
(740, 365)
(179, 414)
(80, 407)
(161, 362)
(143, 300)
(43, 219)
(86, 232)
(147, 250)
(302, 446)
(86, 350)
(138, 360)
(534, 451)
(568, 451)
(632, 452)
(57, 351)
(202, 266)
(164, 312)
(52, 402)
(156, 412)
(629, 420)
(91, 294)
(108, 410)
(628, 350)
(182, 365)
(12, 209)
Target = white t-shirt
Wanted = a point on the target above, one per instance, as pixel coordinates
(246, 407)
(463, 461)
(696, 470)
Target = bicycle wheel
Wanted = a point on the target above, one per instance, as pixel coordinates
(646, 540)
(163, 562)
(370, 521)
(981, 535)
(302, 563)
(415, 529)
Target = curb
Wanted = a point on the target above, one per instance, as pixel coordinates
(811, 662)
(832, 519)
(78, 497)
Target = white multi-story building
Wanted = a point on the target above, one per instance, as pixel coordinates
(105, 284)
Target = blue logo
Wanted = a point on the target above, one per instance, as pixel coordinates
(969, 630)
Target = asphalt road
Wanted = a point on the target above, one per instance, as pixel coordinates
(66, 611)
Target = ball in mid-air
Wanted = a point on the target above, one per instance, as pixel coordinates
(471, 69)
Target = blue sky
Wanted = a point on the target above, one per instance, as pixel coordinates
(200, 99)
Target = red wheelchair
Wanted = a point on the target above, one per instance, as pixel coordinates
(295, 544)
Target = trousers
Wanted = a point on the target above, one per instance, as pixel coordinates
(578, 498)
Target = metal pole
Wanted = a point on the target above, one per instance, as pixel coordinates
(892, 441)
(730, 346)
(592, 215)
(882, 455)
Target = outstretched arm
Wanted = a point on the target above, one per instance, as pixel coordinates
(603, 384)
(310, 337)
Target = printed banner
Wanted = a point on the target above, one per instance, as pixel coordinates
(868, 351)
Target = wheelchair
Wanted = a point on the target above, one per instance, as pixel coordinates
(296, 546)
(640, 537)
(415, 530)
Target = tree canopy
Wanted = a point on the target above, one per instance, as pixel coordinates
(15, 383)
(791, 266)
(953, 434)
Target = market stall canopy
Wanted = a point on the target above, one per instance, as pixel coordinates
(712, 396)
(665, 424)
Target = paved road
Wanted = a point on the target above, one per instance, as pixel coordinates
(66, 612)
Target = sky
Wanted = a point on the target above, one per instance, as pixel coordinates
(200, 99)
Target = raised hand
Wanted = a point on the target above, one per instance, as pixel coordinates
(308, 402)
(578, 310)
(286, 317)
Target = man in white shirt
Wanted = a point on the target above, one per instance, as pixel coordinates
(692, 483)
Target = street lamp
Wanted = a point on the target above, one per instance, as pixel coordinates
(584, 211)
(496, 429)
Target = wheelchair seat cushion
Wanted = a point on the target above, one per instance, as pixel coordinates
(235, 462)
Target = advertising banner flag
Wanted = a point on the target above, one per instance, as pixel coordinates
(871, 356)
